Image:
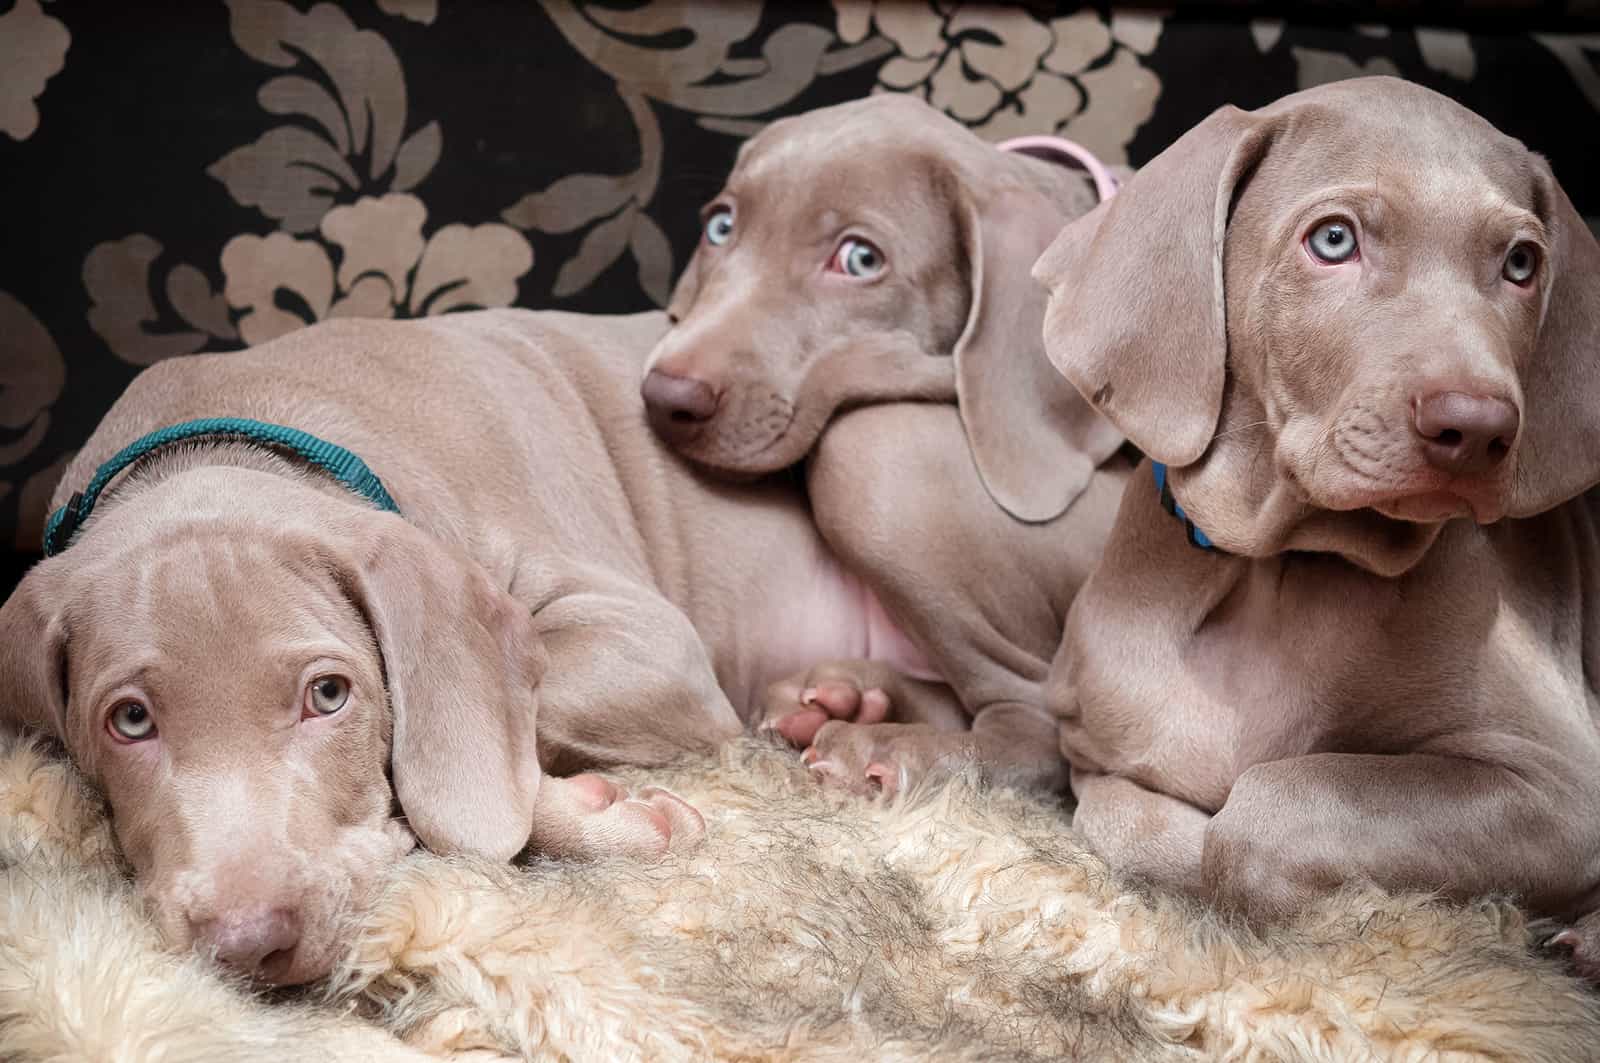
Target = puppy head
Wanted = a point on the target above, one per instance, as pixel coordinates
(1344, 318)
(234, 678)
(876, 252)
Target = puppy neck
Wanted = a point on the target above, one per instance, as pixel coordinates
(1248, 504)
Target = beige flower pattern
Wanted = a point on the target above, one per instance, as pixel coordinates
(423, 11)
(33, 502)
(368, 257)
(32, 377)
(32, 374)
(347, 90)
(1006, 72)
(385, 268)
(33, 49)
(680, 55)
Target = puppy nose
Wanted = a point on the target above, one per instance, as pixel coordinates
(1464, 434)
(678, 405)
(256, 941)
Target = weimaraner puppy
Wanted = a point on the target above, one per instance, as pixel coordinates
(1348, 628)
(237, 645)
(861, 301)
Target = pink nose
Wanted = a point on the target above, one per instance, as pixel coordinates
(1464, 435)
(257, 941)
(678, 406)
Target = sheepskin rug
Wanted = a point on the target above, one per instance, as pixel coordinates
(957, 924)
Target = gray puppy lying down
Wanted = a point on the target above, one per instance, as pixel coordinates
(861, 301)
(237, 646)
(1361, 328)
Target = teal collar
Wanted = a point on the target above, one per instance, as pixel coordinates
(1170, 504)
(337, 462)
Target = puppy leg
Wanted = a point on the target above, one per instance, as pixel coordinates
(1293, 830)
(628, 681)
(588, 817)
(857, 692)
(1142, 834)
(897, 497)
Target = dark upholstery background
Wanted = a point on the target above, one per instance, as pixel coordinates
(198, 176)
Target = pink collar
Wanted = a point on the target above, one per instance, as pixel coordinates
(1105, 185)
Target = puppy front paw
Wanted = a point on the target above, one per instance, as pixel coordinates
(1580, 945)
(590, 817)
(882, 760)
(797, 707)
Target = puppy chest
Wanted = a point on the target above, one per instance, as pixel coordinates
(1291, 658)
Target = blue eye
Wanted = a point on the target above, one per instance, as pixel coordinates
(326, 695)
(857, 258)
(1333, 241)
(131, 721)
(1522, 262)
(719, 227)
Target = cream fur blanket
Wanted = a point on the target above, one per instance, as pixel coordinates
(958, 925)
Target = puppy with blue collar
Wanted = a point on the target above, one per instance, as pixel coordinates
(1347, 626)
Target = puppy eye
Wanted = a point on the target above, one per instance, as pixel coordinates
(131, 721)
(856, 258)
(1522, 262)
(326, 695)
(719, 226)
(1332, 242)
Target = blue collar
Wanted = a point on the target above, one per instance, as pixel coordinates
(336, 461)
(1170, 504)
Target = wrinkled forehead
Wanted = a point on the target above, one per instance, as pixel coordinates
(843, 154)
(198, 594)
(1419, 148)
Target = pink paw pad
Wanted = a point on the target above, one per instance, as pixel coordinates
(679, 822)
(1581, 953)
(595, 793)
(831, 701)
(800, 728)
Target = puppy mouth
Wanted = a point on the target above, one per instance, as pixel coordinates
(753, 448)
(1367, 471)
(1429, 502)
(1429, 507)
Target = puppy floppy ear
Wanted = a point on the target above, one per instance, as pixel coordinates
(33, 648)
(1136, 316)
(462, 663)
(1035, 441)
(1559, 454)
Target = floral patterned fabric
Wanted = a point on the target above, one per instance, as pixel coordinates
(205, 176)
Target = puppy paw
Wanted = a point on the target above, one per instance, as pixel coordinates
(881, 760)
(798, 707)
(1580, 945)
(686, 827)
(590, 817)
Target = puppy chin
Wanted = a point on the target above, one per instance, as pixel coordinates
(1429, 508)
(1426, 498)
(750, 460)
(1433, 506)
